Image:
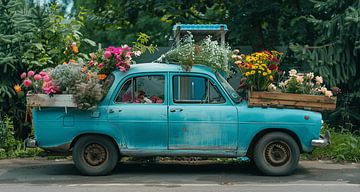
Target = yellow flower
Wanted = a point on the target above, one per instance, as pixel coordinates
(268, 70)
(271, 77)
(252, 72)
(259, 72)
(247, 73)
(264, 74)
(17, 88)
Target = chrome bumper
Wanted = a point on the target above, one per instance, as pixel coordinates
(31, 143)
(323, 141)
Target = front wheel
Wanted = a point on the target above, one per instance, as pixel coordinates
(95, 155)
(276, 153)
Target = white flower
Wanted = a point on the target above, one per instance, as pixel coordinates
(328, 93)
(323, 90)
(319, 80)
(271, 87)
(282, 84)
(292, 72)
(310, 75)
(137, 53)
(300, 79)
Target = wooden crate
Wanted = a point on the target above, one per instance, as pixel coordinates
(56, 100)
(290, 100)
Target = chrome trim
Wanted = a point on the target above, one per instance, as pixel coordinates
(31, 143)
(323, 141)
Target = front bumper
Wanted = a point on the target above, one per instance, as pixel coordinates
(323, 141)
(31, 143)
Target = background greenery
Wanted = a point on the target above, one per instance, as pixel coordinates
(319, 35)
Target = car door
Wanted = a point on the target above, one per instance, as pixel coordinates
(139, 111)
(200, 116)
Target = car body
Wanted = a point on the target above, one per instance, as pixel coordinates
(195, 114)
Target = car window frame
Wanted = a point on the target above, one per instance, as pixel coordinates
(212, 81)
(132, 76)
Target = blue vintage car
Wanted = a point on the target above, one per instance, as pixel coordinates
(162, 110)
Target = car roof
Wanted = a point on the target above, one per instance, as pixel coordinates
(161, 67)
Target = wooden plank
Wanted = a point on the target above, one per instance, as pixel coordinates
(56, 100)
(292, 96)
(294, 104)
(289, 100)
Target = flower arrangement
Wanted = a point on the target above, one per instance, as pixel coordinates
(82, 75)
(304, 84)
(258, 69)
(206, 52)
(36, 83)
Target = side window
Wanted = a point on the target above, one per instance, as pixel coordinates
(192, 89)
(143, 89)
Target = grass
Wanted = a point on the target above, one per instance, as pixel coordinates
(344, 147)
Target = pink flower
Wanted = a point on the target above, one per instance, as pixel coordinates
(107, 54)
(43, 73)
(118, 50)
(101, 65)
(27, 83)
(110, 48)
(122, 68)
(126, 48)
(49, 88)
(73, 44)
(47, 78)
(30, 73)
(91, 63)
(37, 77)
(23, 75)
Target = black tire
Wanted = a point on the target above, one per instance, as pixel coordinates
(276, 153)
(95, 155)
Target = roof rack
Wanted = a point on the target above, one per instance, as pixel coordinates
(200, 31)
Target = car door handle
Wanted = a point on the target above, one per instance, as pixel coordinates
(176, 109)
(112, 110)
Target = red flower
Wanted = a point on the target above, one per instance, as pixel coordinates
(273, 67)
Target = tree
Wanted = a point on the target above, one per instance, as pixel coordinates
(15, 30)
(335, 53)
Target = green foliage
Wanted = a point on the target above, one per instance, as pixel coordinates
(142, 44)
(7, 139)
(334, 53)
(207, 52)
(344, 147)
(52, 43)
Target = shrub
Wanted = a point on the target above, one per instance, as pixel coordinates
(344, 147)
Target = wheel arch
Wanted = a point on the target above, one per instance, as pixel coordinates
(263, 132)
(99, 134)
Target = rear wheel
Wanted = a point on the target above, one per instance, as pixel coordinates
(276, 153)
(95, 155)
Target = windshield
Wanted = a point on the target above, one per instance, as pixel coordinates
(233, 94)
(106, 84)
